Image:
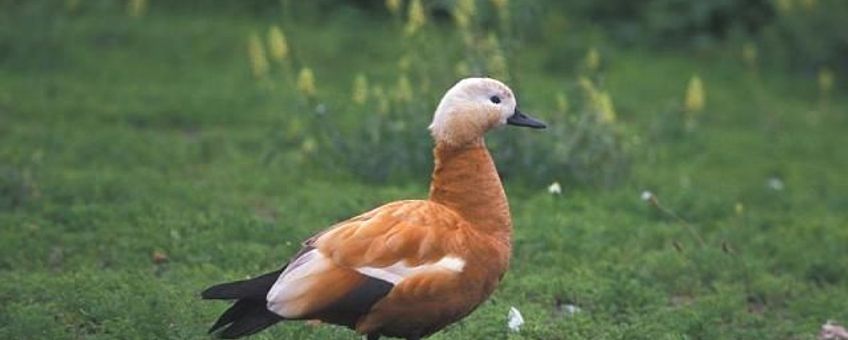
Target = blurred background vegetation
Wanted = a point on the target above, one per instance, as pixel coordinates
(690, 185)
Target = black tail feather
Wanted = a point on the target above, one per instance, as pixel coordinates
(236, 310)
(255, 288)
(244, 318)
(249, 313)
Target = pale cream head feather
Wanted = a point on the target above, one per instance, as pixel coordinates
(470, 108)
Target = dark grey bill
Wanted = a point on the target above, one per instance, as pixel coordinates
(520, 119)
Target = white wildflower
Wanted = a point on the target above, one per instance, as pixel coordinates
(775, 184)
(555, 188)
(321, 109)
(514, 319)
(832, 331)
(571, 309)
(650, 198)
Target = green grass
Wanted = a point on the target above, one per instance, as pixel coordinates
(120, 138)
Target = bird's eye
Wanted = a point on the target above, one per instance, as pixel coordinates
(495, 99)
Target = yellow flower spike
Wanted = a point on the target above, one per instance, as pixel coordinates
(464, 13)
(605, 108)
(467, 6)
(461, 19)
(404, 89)
(256, 53)
(593, 59)
(739, 208)
(695, 95)
(502, 8)
(306, 82)
(394, 6)
(417, 17)
(277, 45)
(500, 5)
(749, 54)
(309, 145)
(562, 102)
(826, 80)
(601, 101)
(588, 87)
(136, 8)
(360, 89)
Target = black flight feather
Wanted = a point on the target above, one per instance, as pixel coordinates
(358, 302)
(249, 313)
(252, 316)
(255, 288)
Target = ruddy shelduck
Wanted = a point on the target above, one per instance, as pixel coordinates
(408, 268)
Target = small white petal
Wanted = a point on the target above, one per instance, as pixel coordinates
(514, 319)
(647, 195)
(572, 309)
(775, 184)
(555, 188)
(832, 331)
(321, 109)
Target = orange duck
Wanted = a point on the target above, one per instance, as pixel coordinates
(408, 268)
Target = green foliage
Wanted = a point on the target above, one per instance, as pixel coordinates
(808, 35)
(16, 187)
(580, 147)
(675, 21)
(801, 34)
(387, 141)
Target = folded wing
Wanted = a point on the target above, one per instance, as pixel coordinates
(345, 270)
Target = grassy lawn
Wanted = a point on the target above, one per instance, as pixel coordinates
(134, 172)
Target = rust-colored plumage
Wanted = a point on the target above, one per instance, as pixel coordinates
(408, 268)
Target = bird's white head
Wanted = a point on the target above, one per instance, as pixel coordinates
(474, 106)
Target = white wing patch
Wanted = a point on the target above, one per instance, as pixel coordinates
(399, 271)
(295, 282)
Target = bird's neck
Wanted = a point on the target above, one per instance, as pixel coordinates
(465, 180)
